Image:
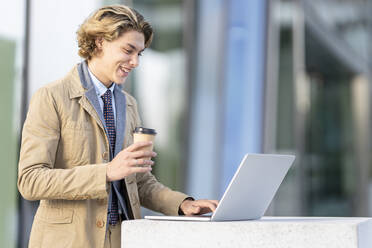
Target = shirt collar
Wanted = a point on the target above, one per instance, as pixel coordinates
(99, 86)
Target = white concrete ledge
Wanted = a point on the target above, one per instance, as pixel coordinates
(301, 232)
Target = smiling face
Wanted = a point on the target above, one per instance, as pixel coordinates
(115, 59)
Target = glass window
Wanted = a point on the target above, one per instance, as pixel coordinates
(323, 107)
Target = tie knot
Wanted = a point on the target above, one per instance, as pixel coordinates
(107, 97)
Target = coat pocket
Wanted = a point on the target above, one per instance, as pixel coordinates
(55, 215)
(54, 227)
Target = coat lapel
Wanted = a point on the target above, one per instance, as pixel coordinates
(86, 104)
(90, 101)
(120, 105)
(91, 96)
(120, 186)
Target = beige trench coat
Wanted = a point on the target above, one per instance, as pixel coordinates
(63, 159)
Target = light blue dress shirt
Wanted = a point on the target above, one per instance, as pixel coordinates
(100, 90)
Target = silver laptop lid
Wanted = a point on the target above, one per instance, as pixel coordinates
(253, 187)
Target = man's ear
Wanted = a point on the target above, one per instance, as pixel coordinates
(99, 43)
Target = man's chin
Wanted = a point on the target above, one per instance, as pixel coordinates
(120, 81)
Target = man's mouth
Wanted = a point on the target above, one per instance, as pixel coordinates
(124, 71)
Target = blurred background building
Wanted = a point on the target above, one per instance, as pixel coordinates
(222, 78)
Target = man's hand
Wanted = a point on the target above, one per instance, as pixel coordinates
(129, 161)
(198, 207)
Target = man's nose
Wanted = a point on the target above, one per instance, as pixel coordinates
(134, 61)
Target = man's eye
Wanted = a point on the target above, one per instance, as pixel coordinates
(140, 54)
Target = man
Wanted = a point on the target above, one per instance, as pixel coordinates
(77, 155)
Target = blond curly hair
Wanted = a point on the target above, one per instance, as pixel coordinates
(110, 22)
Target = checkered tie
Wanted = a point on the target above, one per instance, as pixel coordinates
(108, 114)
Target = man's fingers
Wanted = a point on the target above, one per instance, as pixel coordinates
(205, 206)
(140, 162)
(138, 145)
(214, 203)
(140, 169)
(141, 154)
(199, 207)
(208, 204)
(211, 205)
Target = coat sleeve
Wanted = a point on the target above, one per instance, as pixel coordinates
(37, 177)
(157, 197)
(153, 194)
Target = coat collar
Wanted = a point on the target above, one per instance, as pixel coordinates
(78, 87)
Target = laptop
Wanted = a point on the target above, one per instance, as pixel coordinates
(250, 191)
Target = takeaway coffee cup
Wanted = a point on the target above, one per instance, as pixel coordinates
(144, 134)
